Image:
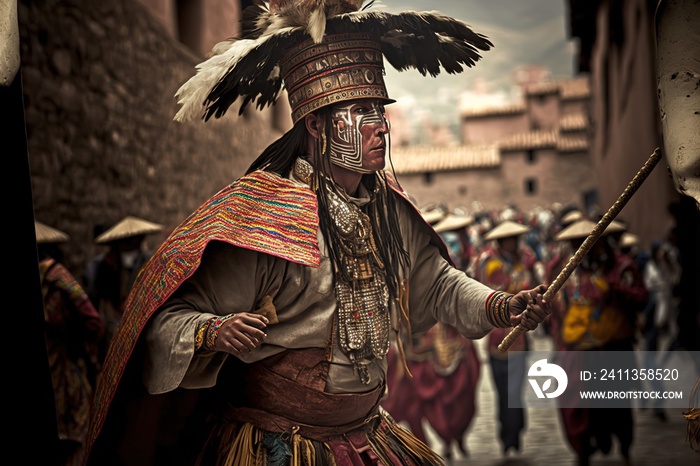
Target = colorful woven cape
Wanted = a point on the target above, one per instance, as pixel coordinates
(262, 212)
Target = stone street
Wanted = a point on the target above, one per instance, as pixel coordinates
(656, 442)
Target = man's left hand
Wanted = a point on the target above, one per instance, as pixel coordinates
(527, 307)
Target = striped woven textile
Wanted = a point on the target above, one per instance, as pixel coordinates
(261, 211)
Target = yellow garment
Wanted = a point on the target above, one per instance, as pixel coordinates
(493, 266)
(583, 326)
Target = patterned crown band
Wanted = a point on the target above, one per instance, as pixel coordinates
(342, 67)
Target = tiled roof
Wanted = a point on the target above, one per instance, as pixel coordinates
(539, 139)
(420, 159)
(568, 89)
(549, 87)
(573, 122)
(480, 112)
(544, 139)
(569, 143)
(577, 88)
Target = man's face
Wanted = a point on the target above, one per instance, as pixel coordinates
(358, 136)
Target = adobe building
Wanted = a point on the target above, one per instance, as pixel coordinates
(533, 153)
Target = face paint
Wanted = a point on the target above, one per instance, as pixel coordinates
(346, 144)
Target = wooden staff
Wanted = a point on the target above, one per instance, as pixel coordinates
(589, 242)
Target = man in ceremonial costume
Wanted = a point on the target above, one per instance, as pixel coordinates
(596, 312)
(508, 264)
(261, 326)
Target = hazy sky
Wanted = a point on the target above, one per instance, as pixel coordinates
(524, 32)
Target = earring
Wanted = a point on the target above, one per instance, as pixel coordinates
(323, 143)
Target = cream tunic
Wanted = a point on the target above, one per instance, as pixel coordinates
(232, 279)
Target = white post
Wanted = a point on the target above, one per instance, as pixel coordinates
(9, 42)
(678, 79)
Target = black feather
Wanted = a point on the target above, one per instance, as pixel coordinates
(426, 41)
(249, 77)
(367, 5)
(249, 18)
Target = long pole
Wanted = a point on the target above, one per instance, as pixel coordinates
(586, 246)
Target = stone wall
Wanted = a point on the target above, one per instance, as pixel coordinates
(99, 82)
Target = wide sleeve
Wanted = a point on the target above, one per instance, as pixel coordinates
(226, 281)
(439, 292)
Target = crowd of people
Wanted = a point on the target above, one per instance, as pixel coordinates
(81, 313)
(620, 298)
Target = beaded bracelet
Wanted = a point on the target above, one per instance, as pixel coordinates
(491, 306)
(498, 309)
(208, 332)
(499, 312)
(199, 335)
(505, 311)
(212, 334)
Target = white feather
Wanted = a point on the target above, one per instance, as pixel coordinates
(317, 25)
(192, 94)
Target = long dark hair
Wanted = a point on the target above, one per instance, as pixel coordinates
(279, 156)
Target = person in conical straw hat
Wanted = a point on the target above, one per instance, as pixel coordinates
(310, 264)
(508, 264)
(433, 214)
(49, 235)
(570, 217)
(596, 311)
(453, 231)
(73, 330)
(115, 270)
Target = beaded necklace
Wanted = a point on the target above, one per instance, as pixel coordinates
(360, 288)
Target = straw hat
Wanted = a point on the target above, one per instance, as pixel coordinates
(506, 229)
(432, 214)
(616, 226)
(628, 240)
(129, 226)
(453, 222)
(573, 216)
(47, 234)
(583, 228)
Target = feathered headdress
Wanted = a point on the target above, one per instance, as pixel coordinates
(324, 51)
